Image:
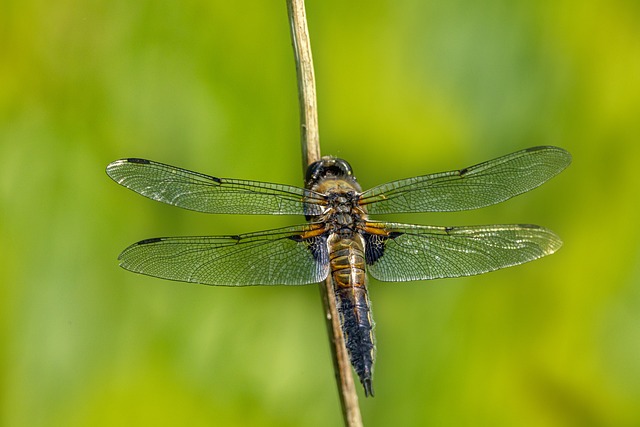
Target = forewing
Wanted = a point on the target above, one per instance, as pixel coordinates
(285, 256)
(204, 193)
(469, 188)
(415, 252)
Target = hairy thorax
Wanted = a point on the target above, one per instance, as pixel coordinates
(342, 215)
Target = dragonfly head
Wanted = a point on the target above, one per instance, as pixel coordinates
(329, 168)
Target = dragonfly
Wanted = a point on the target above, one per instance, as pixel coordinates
(338, 240)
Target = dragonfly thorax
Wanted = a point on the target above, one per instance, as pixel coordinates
(333, 178)
(343, 214)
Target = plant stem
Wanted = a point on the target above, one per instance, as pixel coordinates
(311, 153)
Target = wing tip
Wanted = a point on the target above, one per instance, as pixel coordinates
(122, 258)
(554, 244)
(559, 152)
(553, 241)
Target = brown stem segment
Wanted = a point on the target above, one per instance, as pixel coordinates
(306, 83)
(311, 153)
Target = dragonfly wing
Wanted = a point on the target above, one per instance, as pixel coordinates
(469, 188)
(285, 256)
(416, 252)
(204, 193)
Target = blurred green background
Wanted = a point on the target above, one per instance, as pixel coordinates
(405, 88)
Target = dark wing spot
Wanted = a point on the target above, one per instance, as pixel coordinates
(137, 160)
(149, 241)
(317, 245)
(374, 245)
(463, 172)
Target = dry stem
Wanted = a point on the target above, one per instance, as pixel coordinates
(311, 153)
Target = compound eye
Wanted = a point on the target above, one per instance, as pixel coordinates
(314, 171)
(343, 166)
(327, 167)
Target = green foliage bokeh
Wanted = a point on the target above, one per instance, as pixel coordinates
(405, 88)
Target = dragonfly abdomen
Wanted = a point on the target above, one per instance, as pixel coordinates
(349, 280)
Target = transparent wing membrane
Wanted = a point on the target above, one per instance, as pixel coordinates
(474, 187)
(415, 252)
(276, 257)
(299, 255)
(204, 193)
